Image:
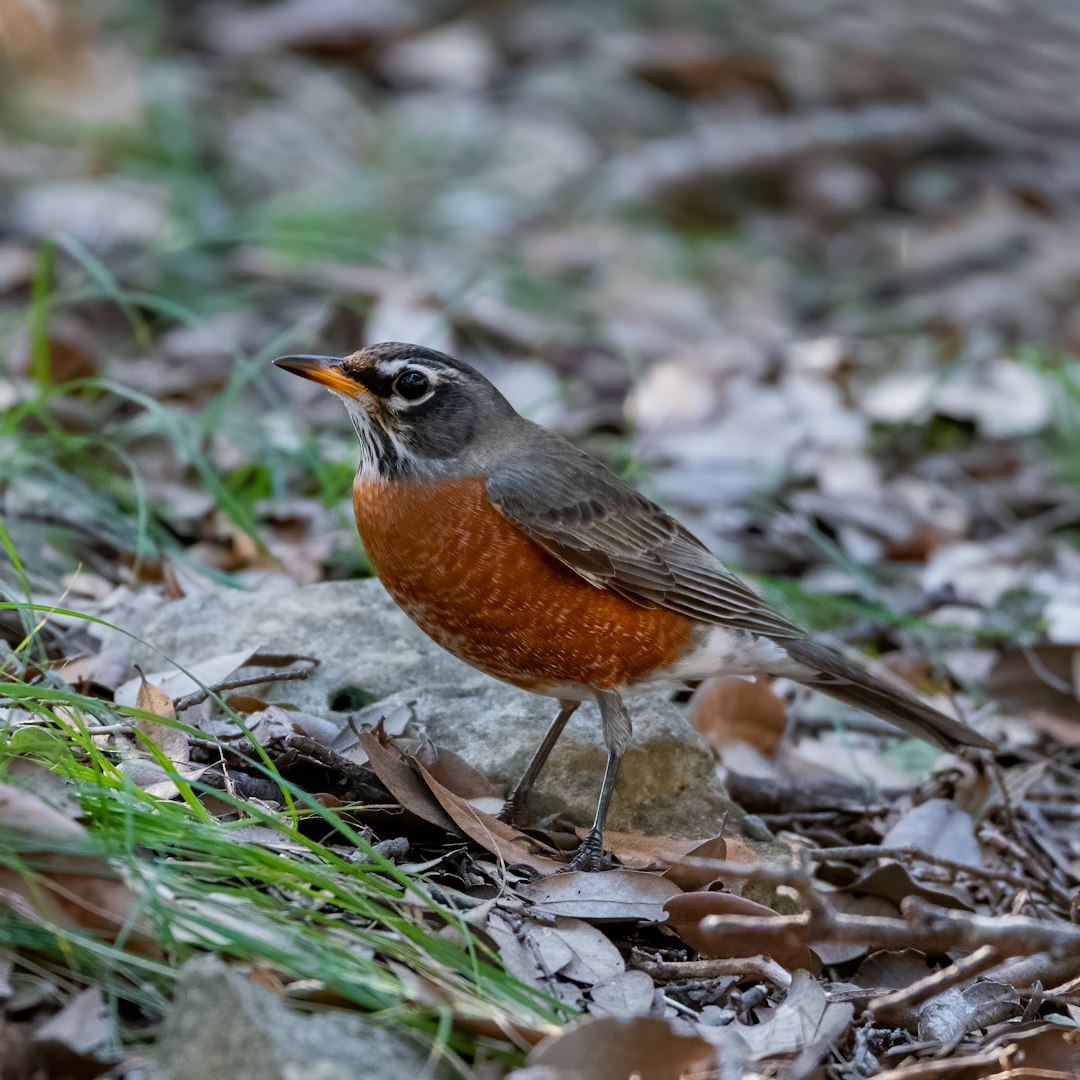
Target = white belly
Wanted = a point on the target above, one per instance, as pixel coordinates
(722, 651)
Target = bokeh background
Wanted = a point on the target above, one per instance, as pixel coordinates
(806, 272)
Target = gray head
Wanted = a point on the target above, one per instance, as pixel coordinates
(415, 410)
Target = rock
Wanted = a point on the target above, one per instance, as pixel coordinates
(369, 652)
(223, 1024)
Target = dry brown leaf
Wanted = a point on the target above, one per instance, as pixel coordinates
(140, 767)
(171, 741)
(454, 772)
(727, 710)
(891, 969)
(893, 881)
(686, 911)
(1048, 1053)
(830, 951)
(175, 683)
(609, 896)
(400, 779)
(689, 876)
(611, 1048)
(496, 836)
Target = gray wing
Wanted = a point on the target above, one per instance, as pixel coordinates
(616, 538)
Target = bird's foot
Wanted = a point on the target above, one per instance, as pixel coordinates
(590, 857)
(513, 811)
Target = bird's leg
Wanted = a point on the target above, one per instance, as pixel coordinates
(617, 731)
(519, 793)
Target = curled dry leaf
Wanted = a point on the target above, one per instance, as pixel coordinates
(691, 871)
(391, 766)
(140, 767)
(454, 772)
(686, 911)
(728, 710)
(947, 1017)
(496, 836)
(611, 896)
(806, 1023)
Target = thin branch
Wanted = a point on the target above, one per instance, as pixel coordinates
(758, 967)
(199, 696)
(924, 926)
(867, 852)
(896, 1007)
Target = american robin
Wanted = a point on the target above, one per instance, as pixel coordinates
(529, 560)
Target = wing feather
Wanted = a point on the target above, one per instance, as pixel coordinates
(617, 539)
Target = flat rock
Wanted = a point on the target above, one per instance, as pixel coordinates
(369, 652)
(223, 1024)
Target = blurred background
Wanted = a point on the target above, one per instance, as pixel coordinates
(806, 272)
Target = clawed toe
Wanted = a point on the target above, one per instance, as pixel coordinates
(590, 857)
(512, 813)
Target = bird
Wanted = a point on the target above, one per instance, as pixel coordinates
(529, 559)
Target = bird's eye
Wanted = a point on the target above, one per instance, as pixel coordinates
(411, 385)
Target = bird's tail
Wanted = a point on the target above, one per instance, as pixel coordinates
(845, 681)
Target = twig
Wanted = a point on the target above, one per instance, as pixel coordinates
(866, 852)
(199, 696)
(894, 1008)
(759, 967)
(924, 927)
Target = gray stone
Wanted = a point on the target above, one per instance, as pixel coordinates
(223, 1024)
(370, 651)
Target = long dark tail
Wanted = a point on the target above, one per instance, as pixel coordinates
(841, 679)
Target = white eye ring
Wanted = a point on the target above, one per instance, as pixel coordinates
(411, 384)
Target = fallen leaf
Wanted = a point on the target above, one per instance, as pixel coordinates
(68, 888)
(535, 951)
(686, 911)
(688, 875)
(613, 1048)
(454, 772)
(950, 1015)
(889, 970)
(171, 741)
(79, 1029)
(893, 881)
(400, 779)
(729, 710)
(937, 827)
(605, 897)
(630, 993)
(176, 683)
(806, 1023)
(496, 836)
(140, 767)
(830, 951)
(1047, 1053)
(591, 957)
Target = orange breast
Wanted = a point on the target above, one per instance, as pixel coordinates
(487, 593)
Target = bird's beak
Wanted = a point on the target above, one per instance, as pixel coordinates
(321, 369)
